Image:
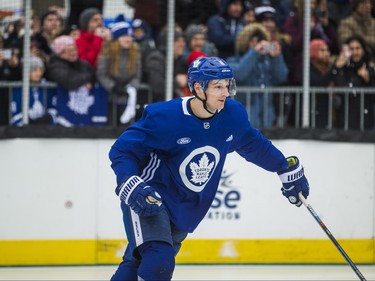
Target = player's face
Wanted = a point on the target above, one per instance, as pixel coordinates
(217, 93)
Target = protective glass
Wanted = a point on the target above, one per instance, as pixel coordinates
(232, 87)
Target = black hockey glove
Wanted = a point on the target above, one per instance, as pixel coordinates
(294, 181)
(142, 198)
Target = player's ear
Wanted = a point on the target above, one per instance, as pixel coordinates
(198, 88)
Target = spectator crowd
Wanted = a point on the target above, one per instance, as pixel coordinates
(99, 66)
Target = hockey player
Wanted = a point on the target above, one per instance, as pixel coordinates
(168, 167)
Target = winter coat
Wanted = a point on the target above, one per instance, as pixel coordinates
(69, 75)
(223, 29)
(108, 81)
(254, 69)
(319, 79)
(294, 27)
(347, 77)
(156, 73)
(89, 46)
(156, 69)
(146, 46)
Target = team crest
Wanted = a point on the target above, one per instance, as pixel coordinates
(197, 169)
(200, 171)
(80, 101)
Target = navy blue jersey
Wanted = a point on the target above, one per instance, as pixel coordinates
(182, 156)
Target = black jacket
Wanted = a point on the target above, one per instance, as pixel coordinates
(69, 75)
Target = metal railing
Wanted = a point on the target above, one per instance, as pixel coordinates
(287, 97)
(284, 93)
(10, 85)
(142, 86)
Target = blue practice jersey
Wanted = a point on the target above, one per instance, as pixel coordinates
(182, 156)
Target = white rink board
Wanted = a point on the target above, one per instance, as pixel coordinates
(64, 189)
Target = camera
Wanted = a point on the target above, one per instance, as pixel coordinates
(269, 48)
(7, 53)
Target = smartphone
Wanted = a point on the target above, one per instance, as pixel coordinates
(346, 51)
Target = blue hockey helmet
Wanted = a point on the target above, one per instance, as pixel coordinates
(204, 69)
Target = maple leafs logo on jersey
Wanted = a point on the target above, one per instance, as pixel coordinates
(198, 167)
(201, 172)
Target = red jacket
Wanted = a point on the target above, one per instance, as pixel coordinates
(89, 46)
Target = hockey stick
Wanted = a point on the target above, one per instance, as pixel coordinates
(333, 239)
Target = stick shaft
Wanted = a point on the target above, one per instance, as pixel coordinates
(333, 239)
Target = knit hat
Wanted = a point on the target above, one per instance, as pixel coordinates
(119, 18)
(143, 25)
(138, 23)
(315, 45)
(264, 12)
(36, 62)
(85, 17)
(194, 55)
(60, 43)
(192, 30)
(119, 29)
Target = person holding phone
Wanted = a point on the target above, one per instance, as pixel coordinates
(259, 63)
(353, 68)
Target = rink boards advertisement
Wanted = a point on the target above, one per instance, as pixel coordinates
(58, 206)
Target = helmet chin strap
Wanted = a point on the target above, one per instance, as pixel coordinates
(204, 101)
(206, 108)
